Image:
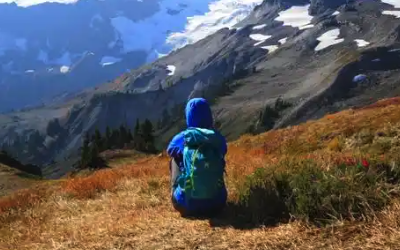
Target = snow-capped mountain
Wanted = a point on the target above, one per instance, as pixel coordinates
(50, 48)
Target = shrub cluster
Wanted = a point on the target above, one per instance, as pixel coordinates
(306, 191)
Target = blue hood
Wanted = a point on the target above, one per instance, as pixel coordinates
(198, 114)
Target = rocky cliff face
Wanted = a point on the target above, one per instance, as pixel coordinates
(320, 6)
(280, 66)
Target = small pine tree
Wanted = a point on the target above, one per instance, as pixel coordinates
(129, 136)
(123, 136)
(90, 157)
(95, 161)
(93, 154)
(107, 138)
(137, 136)
(148, 136)
(114, 139)
(98, 140)
(85, 150)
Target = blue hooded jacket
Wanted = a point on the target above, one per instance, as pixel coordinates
(198, 115)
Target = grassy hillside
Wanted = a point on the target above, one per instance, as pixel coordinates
(15, 176)
(326, 184)
(12, 179)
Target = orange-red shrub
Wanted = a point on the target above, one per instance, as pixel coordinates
(88, 187)
(383, 103)
(23, 199)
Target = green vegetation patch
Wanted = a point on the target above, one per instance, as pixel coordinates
(303, 190)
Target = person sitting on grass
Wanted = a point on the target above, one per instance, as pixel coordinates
(197, 166)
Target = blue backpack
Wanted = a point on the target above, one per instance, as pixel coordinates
(204, 164)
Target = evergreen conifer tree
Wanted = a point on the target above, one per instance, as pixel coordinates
(129, 136)
(148, 136)
(123, 136)
(85, 150)
(98, 140)
(107, 138)
(137, 136)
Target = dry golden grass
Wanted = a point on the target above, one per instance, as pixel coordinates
(119, 157)
(12, 179)
(129, 207)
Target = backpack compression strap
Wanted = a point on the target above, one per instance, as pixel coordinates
(190, 181)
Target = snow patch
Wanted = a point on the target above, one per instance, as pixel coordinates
(306, 26)
(171, 69)
(29, 71)
(395, 3)
(133, 35)
(335, 13)
(361, 43)
(296, 16)
(283, 40)
(395, 13)
(151, 33)
(376, 60)
(160, 55)
(394, 50)
(329, 38)
(109, 60)
(258, 27)
(270, 48)
(221, 14)
(64, 69)
(259, 37)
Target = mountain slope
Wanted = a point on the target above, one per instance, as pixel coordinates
(316, 57)
(46, 56)
(127, 208)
